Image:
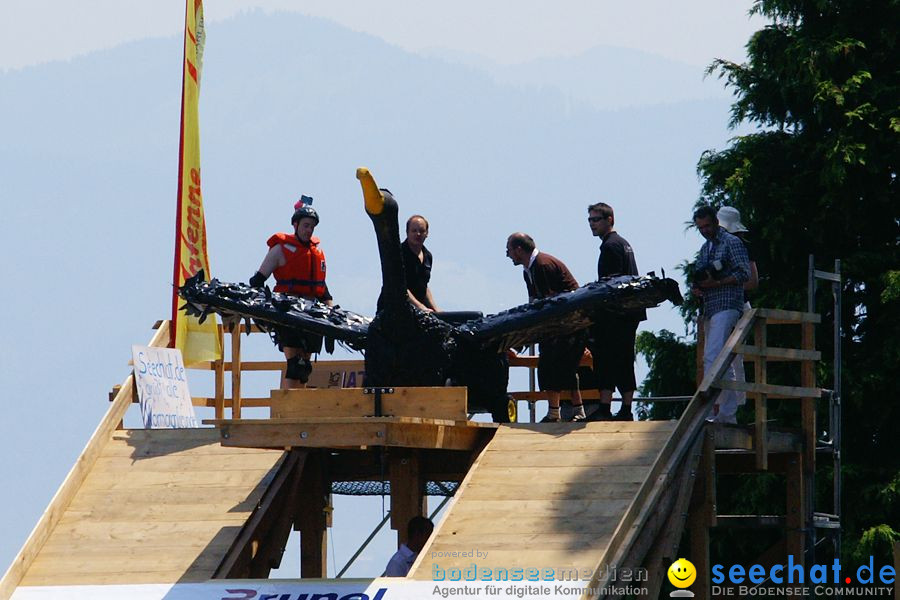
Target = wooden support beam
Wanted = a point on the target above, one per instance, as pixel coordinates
(426, 402)
(776, 316)
(795, 535)
(313, 513)
(658, 542)
(702, 513)
(408, 498)
(777, 354)
(761, 429)
(772, 391)
(219, 368)
(263, 536)
(741, 438)
(348, 433)
(236, 373)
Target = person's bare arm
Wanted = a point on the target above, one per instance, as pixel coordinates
(274, 259)
(753, 282)
(415, 302)
(431, 299)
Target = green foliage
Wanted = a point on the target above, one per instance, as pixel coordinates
(877, 541)
(673, 370)
(820, 176)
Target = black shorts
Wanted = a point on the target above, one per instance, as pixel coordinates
(613, 350)
(291, 338)
(558, 362)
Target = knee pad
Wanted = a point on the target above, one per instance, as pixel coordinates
(298, 368)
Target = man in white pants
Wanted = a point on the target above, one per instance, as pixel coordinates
(721, 270)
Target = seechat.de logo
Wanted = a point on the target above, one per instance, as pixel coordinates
(682, 574)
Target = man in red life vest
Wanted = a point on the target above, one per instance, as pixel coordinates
(299, 268)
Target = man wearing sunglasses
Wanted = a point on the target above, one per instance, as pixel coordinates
(613, 333)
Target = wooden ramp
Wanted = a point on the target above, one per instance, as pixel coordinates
(158, 506)
(545, 496)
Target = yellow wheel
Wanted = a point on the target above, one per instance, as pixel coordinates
(512, 408)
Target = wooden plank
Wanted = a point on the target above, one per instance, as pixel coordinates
(541, 507)
(219, 512)
(426, 402)
(761, 430)
(776, 316)
(354, 434)
(676, 448)
(667, 537)
(236, 374)
(312, 522)
(566, 475)
(702, 513)
(795, 534)
(525, 491)
(424, 573)
(408, 498)
(582, 541)
(173, 496)
(773, 391)
(186, 463)
(603, 427)
(778, 354)
(581, 443)
(219, 386)
(631, 457)
(134, 577)
(238, 557)
(134, 533)
(741, 438)
(58, 567)
(75, 477)
(161, 479)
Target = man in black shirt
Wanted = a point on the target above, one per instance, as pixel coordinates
(417, 263)
(613, 334)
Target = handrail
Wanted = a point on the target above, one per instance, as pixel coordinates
(693, 420)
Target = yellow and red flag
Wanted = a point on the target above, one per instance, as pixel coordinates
(197, 342)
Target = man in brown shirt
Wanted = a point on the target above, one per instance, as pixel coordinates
(547, 276)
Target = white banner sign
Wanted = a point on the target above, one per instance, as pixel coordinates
(340, 589)
(161, 381)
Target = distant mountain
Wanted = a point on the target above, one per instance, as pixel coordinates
(606, 77)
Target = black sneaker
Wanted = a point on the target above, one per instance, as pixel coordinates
(549, 419)
(624, 414)
(578, 418)
(601, 414)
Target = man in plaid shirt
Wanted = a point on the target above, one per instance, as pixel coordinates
(722, 269)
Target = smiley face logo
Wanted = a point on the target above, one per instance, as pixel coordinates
(682, 573)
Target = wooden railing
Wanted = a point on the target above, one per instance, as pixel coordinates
(641, 521)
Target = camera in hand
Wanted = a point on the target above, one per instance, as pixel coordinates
(714, 270)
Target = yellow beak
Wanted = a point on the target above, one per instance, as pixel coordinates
(374, 201)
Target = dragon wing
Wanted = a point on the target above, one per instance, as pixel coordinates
(569, 312)
(236, 301)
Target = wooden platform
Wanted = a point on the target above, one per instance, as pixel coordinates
(353, 432)
(158, 506)
(547, 495)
